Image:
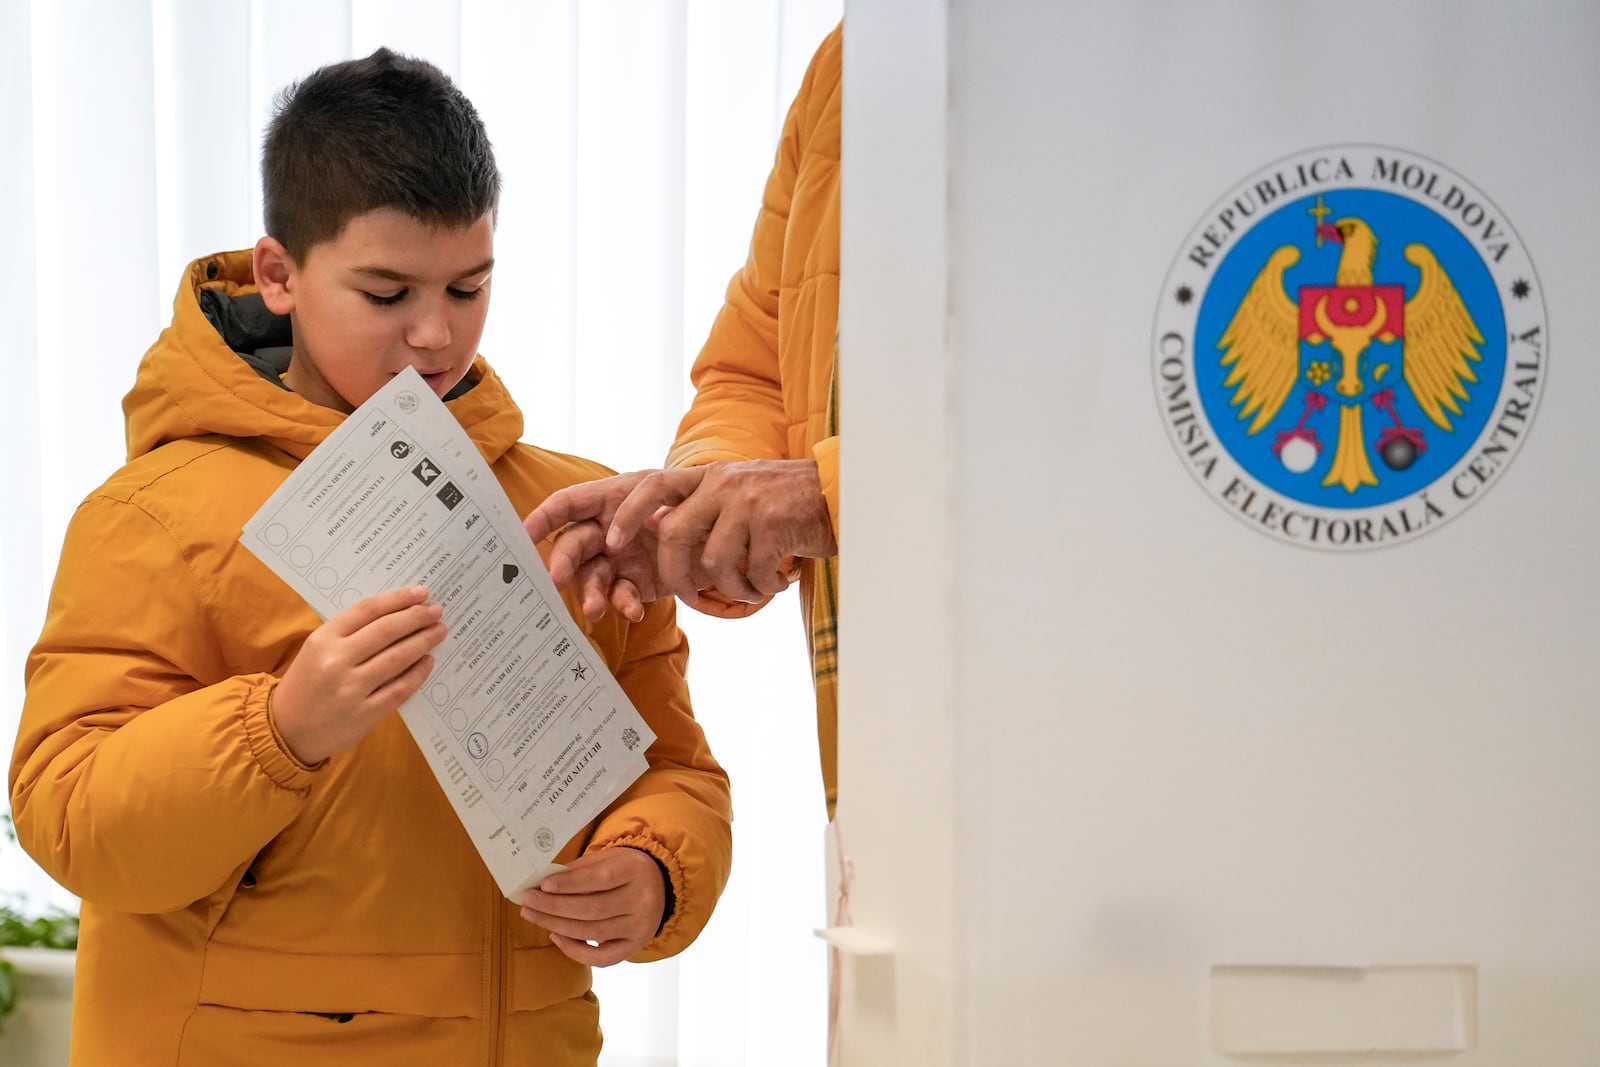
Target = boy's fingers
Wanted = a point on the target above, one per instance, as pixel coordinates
(381, 634)
(591, 877)
(593, 580)
(574, 546)
(561, 508)
(620, 927)
(602, 955)
(601, 869)
(577, 907)
(626, 601)
(394, 693)
(589, 927)
(372, 608)
(401, 656)
(578, 503)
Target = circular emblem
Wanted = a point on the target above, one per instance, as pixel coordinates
(1350, 347)
(543, 839)
(406, 401)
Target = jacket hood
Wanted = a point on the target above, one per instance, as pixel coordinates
(208, 373)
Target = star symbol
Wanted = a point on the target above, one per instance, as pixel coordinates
(1520, 289)
(579, 672)
(1184, 294)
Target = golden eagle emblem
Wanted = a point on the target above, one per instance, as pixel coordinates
(1261, 350)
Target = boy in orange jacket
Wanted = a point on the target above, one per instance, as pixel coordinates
(268, 869)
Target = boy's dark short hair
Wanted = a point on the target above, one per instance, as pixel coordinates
(385, 131)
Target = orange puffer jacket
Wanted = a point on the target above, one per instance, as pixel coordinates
(763, 379)
(239, 907)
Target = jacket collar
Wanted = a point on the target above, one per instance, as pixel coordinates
(214, 371)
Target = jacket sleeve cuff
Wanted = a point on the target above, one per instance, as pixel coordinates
(674, 882)
(669, 906)
(271, 753)
(826, 453)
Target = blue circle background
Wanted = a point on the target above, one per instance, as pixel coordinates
(1397, 222)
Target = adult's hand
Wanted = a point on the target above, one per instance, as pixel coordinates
(743, 526)
(735, 530)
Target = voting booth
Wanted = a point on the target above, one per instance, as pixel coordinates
(1219, 523)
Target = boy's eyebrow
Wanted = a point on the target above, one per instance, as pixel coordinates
(398, 276)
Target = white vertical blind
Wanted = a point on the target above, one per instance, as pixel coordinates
(21, 551)
(630, 225)
(633, 137)
(94, 234)
(203, 124)
(530, 107)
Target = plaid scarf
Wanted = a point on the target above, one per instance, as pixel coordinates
(824, 634)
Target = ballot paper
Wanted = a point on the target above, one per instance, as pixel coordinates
(527, 730)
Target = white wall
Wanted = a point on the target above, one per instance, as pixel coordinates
(1164, 741)
(897, 814)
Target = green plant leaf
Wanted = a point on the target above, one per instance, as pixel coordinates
(8, 988)
(56, 930)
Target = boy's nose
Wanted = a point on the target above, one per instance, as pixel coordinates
(431, 331)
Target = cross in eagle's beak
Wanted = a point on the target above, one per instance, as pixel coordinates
(1329, 232)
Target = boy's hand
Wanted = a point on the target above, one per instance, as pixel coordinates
(355, 669)
(606, 908)
(606, 543)
(621, 579)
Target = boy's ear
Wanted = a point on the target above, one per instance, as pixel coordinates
(274, 271)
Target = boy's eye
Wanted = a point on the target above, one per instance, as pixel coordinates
(384, 300)
(464, 294)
